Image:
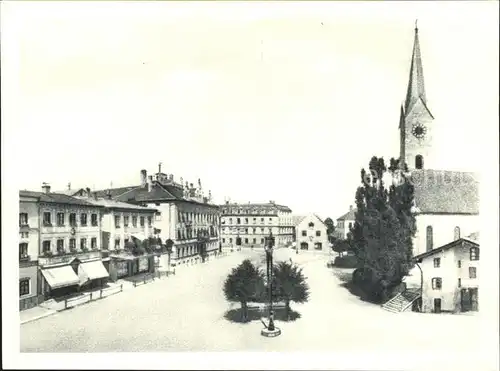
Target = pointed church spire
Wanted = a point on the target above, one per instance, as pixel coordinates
(416, 87)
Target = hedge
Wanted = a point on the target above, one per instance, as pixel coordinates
(347, 261)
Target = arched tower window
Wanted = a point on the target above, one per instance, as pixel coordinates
(429, 238)
(419, 162)
(457, 233)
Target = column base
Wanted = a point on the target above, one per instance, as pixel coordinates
(270, 334)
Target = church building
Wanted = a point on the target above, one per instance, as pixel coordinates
(446, 202)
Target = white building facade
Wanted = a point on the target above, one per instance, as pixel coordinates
(312, 234)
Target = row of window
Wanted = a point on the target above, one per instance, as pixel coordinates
(183, 217)
(305, 246)
(47, 245)
(340, 224)
(61, 219)
(473, 255)
(304, 233)
(247, 211)
(188, 233)
(126, 221)
(437, 282)
(246, 230)
(430, 236)
(246, 220)
(230, 240)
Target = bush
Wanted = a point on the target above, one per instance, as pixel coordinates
(374, 288)
(347, 261)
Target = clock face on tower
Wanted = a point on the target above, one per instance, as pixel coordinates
(419, 130)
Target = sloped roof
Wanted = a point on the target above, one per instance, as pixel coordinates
(266, 204)
(455, 243)
(115, 192)
(113, 204)
(296, 219)
(311, 215)
(351, 215)
(159, 192)
(441, 191)
(473, 237)
(56, 198)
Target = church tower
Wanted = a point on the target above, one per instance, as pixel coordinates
(415, 123)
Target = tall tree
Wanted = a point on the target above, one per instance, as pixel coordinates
(384, 227)
(289, 284)
(330, 229)
(244, 285)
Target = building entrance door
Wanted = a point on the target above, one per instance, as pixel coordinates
(437, 305)
(474, 299)
(469, 300)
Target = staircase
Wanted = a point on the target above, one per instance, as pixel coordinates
(402, 301)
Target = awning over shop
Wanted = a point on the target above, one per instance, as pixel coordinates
(60, 277)
(91, 271)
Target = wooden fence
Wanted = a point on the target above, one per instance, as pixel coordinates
(92, 296)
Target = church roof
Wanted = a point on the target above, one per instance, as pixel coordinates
(447, 192)
(416, 87)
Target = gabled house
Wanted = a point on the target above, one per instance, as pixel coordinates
(450, 276)
(345, 223)
(312, 234)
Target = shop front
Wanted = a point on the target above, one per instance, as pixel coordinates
(127, 265)
(71, 276)
(92, 274)
(60, 281)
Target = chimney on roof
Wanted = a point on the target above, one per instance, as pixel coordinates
(150, 183)
(69, 186)
(108, 194)
(46, 187)
(350, 207)
(88, 192)
(95, 196)
(171, 177)
(144, 177)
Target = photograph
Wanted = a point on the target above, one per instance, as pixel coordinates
(201, 179)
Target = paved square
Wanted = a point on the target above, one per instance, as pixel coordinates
(186, 313)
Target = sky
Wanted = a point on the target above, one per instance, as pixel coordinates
(276, 101)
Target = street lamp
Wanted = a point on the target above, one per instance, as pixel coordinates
(270, 330)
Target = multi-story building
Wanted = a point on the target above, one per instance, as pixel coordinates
(70, 243)
(29, 244)
(449, 276)
(345, 223)
(247, 225)
(312, 234)
(124, 225)
(187, 217)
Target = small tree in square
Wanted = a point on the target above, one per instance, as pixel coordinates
(289, 284)
(243, 285)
